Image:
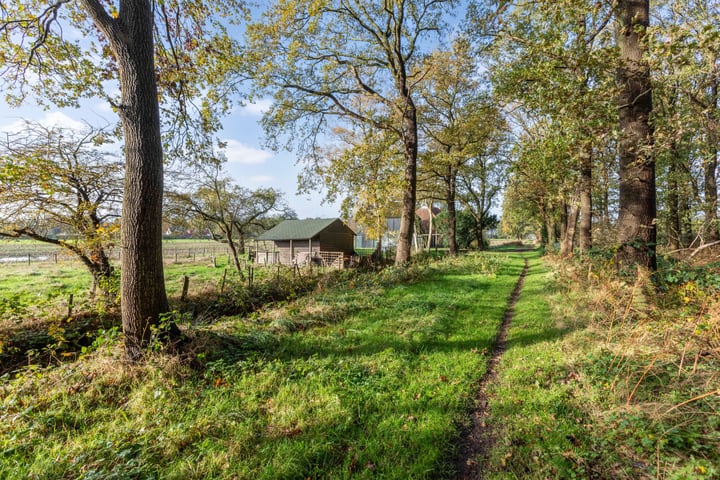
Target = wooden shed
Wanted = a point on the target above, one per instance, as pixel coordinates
(326, 241)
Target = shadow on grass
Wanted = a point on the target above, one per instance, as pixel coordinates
(382, 332)
(51, 341)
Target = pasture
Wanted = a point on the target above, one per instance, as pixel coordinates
(40, 272)
(369, 375)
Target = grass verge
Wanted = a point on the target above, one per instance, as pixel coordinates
(371, 376)
(607, 380)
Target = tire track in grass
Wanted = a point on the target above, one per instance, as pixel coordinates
(478, 440)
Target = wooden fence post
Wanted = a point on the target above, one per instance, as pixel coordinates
(186, 285)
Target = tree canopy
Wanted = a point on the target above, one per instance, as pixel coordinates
(335, 62)
(167, 57)
(59, 186)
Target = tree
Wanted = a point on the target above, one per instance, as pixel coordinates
(549, 60)
(353, 61)
(461, 126)
(363, 169)
(193, 53)
(684, 57)
(232, 212)
(520, 213)
(481, 181)
(54, 177)
(469, 230)
(637, 216)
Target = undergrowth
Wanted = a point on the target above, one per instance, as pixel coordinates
(609, 377)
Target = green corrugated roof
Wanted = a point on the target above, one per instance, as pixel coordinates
(297, 229)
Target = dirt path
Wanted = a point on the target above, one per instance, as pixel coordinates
(479, 439)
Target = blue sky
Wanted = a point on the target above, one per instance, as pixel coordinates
(249, 163)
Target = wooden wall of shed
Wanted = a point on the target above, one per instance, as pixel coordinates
(286, 257)
(337, 238)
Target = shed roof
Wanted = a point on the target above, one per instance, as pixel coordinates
(298, 229)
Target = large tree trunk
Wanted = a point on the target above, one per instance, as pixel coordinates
(674, 227)
(143, 297)
(480, 236)
(567, 244)
(636, 221)
(450, 189)
(711, 194)
(711, 188)
(586, 214)
(407, 217)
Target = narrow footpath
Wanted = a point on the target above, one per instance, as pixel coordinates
(479, 439)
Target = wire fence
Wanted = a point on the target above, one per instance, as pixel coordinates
(31, 254)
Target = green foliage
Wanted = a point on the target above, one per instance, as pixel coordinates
(677, 274)
(195, 57)
(468, 228)
(216, 203)
(300, 53)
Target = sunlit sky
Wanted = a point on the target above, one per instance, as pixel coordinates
(249, 163)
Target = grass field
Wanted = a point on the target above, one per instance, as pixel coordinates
(33, 252)
(368, 378)
(42, 281)
(608, 380)
(372, 375)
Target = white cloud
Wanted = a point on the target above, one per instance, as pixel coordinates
(59, 119)
(49, 120)
(257, 108)
(238, 152)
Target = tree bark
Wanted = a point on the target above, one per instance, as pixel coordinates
(563, 223)
(674, 227)
(480, 235)
(711, 188)
(101, 271)
(636, 233)
(586, 213)
(233, 249)
(450, 191)
(143, 296)
(410, 144)
(711, 193)
(567, 244)
(547, 213)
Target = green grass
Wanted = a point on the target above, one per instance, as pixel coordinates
(369, 377)
(577, 399)
(40, 282)
(535, 416)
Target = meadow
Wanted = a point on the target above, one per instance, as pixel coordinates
(352, 374)
(370, 376)
(52, 275)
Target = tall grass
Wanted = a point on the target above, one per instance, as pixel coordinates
(609, 378)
